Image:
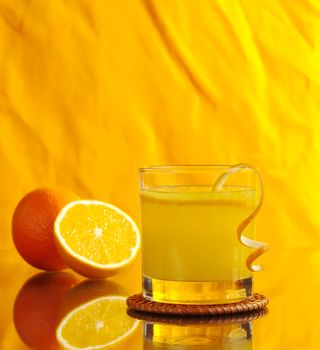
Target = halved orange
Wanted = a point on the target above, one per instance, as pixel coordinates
(98, 324)
(96, 239)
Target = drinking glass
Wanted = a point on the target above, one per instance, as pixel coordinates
(198, 227)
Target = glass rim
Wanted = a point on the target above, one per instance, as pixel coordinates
(185, 168)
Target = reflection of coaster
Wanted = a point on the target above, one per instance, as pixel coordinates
(196, 320)
(253, 303)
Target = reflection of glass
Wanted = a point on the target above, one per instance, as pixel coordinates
(200, 333)
(191, 244)
(231, 337)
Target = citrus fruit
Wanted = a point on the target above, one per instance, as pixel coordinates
(97, 324)
(96, 239)
(32, 226)
(36, 308)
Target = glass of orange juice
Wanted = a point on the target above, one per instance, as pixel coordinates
(198, 227)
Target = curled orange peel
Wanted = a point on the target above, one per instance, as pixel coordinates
(259, 247)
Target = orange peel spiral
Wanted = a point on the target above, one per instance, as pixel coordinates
(259, 247)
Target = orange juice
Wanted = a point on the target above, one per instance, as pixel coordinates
(191, 251)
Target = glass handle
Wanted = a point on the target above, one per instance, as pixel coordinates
(259, 247)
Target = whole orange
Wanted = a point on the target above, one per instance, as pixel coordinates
(36, 306)
(32, 226)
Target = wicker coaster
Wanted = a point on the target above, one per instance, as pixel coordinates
(196, 320)
(253, 303)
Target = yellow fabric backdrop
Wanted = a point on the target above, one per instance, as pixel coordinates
(92, 89)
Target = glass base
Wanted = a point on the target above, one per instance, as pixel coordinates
(213, 292)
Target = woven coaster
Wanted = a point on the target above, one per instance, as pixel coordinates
(253, 303)
(196, 320)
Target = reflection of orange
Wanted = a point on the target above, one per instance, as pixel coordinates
(93, 315)
(32, 226)
(99, 324)
(89, 290)
(36, 308)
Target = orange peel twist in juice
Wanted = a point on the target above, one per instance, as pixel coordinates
(198, 236)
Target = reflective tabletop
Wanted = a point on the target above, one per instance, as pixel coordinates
(52, 310)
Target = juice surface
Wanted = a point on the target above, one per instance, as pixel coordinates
(190, 232)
